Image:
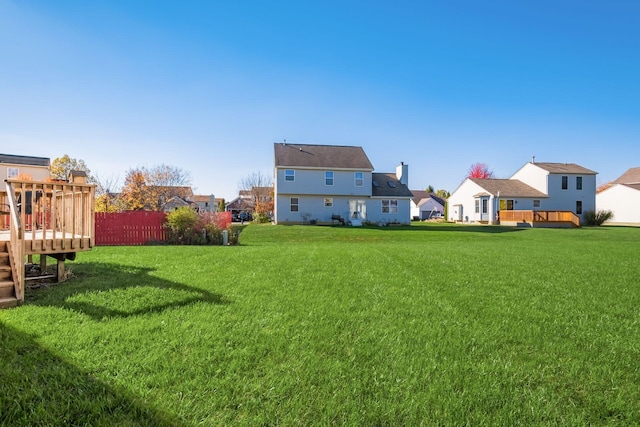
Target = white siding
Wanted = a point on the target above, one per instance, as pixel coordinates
(37, 173)
(463, 197)
(533, 176)
(623, 201)
(424, 210)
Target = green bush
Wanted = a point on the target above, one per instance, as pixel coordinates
(597, 218)
(182, 225)
(187, 227)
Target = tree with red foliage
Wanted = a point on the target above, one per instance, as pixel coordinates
(479, 170)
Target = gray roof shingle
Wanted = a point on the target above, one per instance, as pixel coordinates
(508, 188)
(388, 185)
(631, 176)
(565, 168)
(321, 156)
(24, 160)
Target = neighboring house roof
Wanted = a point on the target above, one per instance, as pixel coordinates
(199, 198)
(634, 186)
(238, 204)
(564, 168)
(321, 156)
(420, 197)
(388, 185)
(631, 176)
(507, 188)
(24, 160)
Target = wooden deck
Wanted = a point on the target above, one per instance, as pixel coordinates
(48, 218)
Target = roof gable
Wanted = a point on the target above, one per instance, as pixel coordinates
(321, 156)
(631, 176)
(421, 195)
(507, 187)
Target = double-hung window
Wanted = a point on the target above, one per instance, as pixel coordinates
(12, 172)
(565, 182)
(390, 206)
(578, 183)
(289, 175)
(328, 178)
(477, 206)
(328, 202)
(293, 204)
(358, 178)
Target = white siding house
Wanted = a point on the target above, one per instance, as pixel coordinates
(622, 198)
(321, 182)
(424, 205)
(534, 187)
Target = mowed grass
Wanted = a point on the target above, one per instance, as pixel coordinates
(303, 325)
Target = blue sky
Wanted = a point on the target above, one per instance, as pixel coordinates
(209, 86)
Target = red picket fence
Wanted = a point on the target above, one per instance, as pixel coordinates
(140, 227)
(129, 228)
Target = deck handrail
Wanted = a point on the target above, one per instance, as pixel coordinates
(53, 217)
(539, 216)
(16, 246)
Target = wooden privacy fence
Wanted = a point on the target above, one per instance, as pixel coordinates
(140, 227)
(129, 228)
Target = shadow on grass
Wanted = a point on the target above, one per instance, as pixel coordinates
(39, 388)
(449, 227)
(103, 290)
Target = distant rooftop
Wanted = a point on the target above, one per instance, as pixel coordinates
(24, 160)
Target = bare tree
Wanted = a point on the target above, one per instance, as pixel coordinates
(257, 187)
(108, 194)
(151, 188)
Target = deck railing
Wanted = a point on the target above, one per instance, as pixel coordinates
(51, 217)
(539, 216)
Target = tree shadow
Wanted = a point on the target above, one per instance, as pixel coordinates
(39, 388)
(104, 290)
(466, 228)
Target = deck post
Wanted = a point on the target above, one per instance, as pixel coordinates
(60, 270)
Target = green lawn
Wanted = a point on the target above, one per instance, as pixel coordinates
(303, 325)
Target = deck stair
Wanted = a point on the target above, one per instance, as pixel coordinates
(7, 285)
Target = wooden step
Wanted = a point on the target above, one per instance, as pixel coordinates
(5, 272)
(7, 289)
(8, 302)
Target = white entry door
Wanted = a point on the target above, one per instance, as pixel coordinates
(357, 209)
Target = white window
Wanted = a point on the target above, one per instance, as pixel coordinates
(289, 175)
(390, 206)
(328, 202)
(358, 177)
(484, 206)
(12, 172)
(328, 178)
(477, 206)
(293, 204)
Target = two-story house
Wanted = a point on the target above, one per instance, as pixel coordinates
(32, 168)
(322, 182)
(536, 187)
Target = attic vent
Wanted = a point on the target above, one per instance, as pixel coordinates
(375, 183)
(391, 184)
